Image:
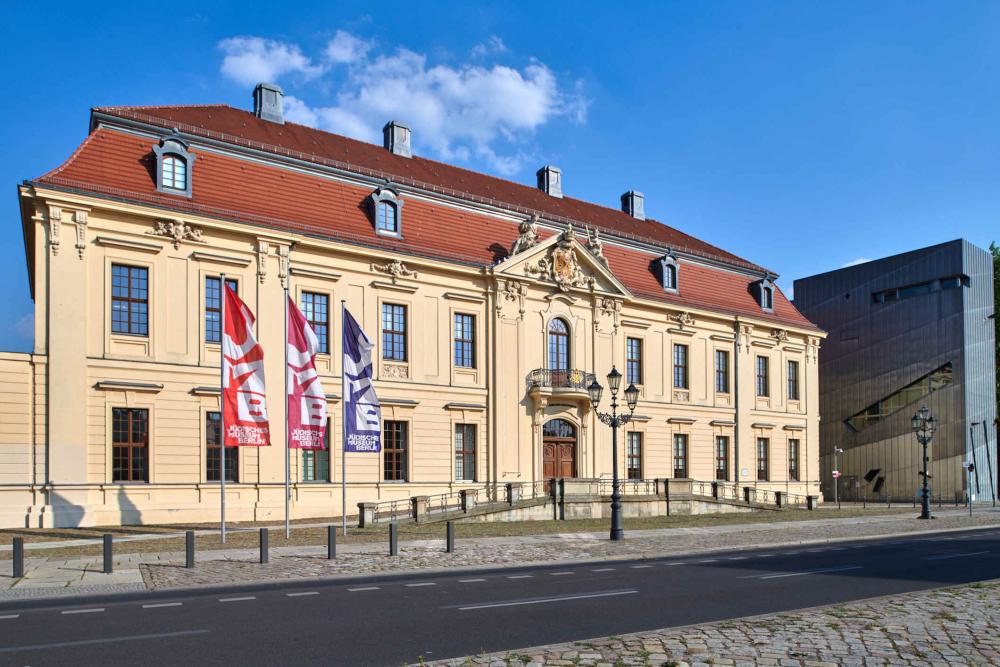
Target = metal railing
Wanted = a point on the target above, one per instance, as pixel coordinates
(629, 487)
(761, 496)
(443, 502)
(795, 500)
(699, 488)
(727, 491)
(393, 511)
(559, 378)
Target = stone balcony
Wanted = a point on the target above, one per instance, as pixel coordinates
(544, 383)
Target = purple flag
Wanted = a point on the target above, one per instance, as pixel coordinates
(362, 412)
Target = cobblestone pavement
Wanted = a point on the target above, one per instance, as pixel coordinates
(497, 551)
(62, 576)
(945, 627)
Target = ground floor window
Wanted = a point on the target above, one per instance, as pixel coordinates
(129, 445)
(763, 451)
(316, 462)
(213, 451)
(465, 452)
(680, 456)
(633, 461)
(394, 447)
(722, 457)
(793, 459)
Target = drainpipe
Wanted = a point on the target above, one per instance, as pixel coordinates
(736, 401)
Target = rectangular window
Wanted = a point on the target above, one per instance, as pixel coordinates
(213, 451)
(936, 379)
(316, 462)
(680, 366)
(793, 460)
(393, 332)
(722, 457)
(213, 307)
(763, 382)
(465, 340)
(465, 452)
(394, 440)
(763, 450)
(316, 310)
(721, 372)
(129, 300)
(793, 380)
(129, 445)
(680, 456)
(633, 361)
(633, 455)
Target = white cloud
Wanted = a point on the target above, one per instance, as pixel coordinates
(251, 60)
(493, 45)
(458, 113)
(855, 262)
(346, 48)
(24, 328)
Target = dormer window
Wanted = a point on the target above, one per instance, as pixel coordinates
(386, 210)
(669, 273)
(173, 166)
(763, 291)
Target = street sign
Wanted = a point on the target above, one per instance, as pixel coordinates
(836, 474)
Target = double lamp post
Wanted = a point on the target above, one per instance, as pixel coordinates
(614, 420)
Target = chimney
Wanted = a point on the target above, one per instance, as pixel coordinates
(550, 181)
(267, 102)
(396, 138)
(634, 203)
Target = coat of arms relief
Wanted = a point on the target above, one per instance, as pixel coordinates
(562, 266)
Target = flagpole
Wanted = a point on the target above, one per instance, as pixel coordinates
(288, 455)
(222, 409)
(344, 388)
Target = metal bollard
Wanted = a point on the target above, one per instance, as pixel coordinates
(189, 549)
(18, 557)
(393, 539)
(263, 545)
(450, 538)
(108, 555)
(331, 542)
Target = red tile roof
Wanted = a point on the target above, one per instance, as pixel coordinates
(118, 164)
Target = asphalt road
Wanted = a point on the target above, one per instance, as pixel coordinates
(392, 620)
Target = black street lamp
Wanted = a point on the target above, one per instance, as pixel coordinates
(924, 425)
(614, 420)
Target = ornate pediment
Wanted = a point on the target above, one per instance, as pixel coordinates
(563, 261)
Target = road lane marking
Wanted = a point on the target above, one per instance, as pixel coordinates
(677, 563)
(558, 574)
(806, 572)
(84, 611)
(470, 581)
(243, 599)
(766, 556)
(298, 595)
(603, 569)
(945, 556)
(520, 576)
(363, 588)
(737, 558)
(9, 616)
(561, 598)
(640, 567)
(162, 604)
(708, 560)
(421, 583)
(106, 640)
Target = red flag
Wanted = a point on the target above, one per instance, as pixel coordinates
(306, 400)
(243, 394)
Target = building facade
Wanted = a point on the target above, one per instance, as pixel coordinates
(491, 305)
(905, 331)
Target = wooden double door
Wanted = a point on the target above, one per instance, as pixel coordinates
(558, 449)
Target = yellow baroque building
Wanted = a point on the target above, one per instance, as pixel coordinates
(491, 304)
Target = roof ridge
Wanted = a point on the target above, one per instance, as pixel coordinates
(121, 107)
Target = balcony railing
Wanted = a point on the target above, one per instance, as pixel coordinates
(559, 379)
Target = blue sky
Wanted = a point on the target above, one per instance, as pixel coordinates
(800, 135)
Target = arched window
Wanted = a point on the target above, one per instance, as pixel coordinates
(174, 164)
(558, 428)
(669, 273)
(174, 173)
(385, 217)
(763, 291)
(386, 211)
(767, 299)
(559, 345)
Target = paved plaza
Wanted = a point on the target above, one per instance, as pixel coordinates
(156, 571)
(940, 628)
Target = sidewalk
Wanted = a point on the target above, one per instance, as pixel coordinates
(940, 628)
(144, 571)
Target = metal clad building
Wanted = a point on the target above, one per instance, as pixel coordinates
(905, 331)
